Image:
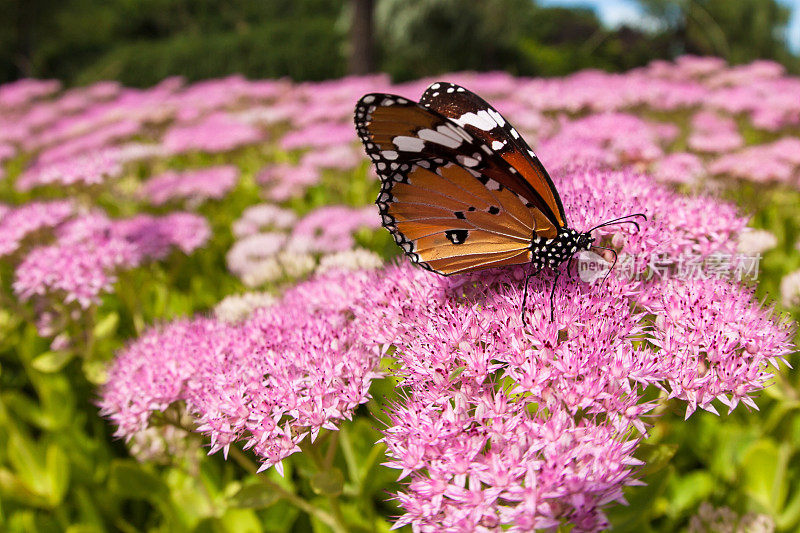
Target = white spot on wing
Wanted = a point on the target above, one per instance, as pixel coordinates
(405, 143)
(497, 117)
(389, 154)
(481, 120)
(496, 145)
(439, 138)
(467, 161)
(368, 99)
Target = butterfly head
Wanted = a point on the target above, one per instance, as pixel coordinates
(584, 241)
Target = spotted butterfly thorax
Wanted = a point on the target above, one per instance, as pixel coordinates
(460, 189)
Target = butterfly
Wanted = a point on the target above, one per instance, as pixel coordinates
(461, 190)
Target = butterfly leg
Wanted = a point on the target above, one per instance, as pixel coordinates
(553, 293)
(525, 292)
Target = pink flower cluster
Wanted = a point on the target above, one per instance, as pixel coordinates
(81, 136)
(679, 167)
(331, 228)
(713, 133)
(89, 250)
(607, 138)
(75, 269)
(275, 380)
(92, 168)
(284, 181)
(266, 251)
(218, 132)
(193, 185)
(778, 161)
(555, 442)
(18, 223)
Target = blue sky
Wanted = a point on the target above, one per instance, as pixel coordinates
(616, 12)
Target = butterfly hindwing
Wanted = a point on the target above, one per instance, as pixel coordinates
(486, 124)
(444, 228)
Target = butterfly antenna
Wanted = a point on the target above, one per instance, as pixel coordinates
(612, 264)
(622, 220)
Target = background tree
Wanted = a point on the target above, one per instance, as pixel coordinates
(739, 31)
(140, 42)
(362, 44)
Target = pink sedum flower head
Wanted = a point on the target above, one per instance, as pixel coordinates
(155, 237)
(218, 132)
(284, 181)
(18, 223)
(91, 168)
(291, 370)
(790, 289)
(330, 229)
(22, 92)
(79, 270)
(91, 249)
(261, 217)
(193, 185)
(679, 167)
(320, 135)
(778, 161)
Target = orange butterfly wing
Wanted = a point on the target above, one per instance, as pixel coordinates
(443, 194)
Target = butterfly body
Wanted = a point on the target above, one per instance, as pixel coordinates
(553, 252)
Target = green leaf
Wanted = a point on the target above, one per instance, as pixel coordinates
(95, 372)
(27, 463)
(57, 473)
(14, 488)
(254, 496)
(635, 517)
(52, 361)
(240, 521)
(456, 373)
(655, 457)
(130, 480)
(106, 326)
(763, 469)
(83, 528)
(790, 516)
(689, 490)
(328, 483)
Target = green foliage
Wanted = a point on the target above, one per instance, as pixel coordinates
(140, 42)
(271, 50)
(427, 37)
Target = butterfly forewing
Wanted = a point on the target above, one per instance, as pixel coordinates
(485, 124)
(441, 195)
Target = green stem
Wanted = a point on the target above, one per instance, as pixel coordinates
(292, 498)
(313, 452)
(332, 446)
